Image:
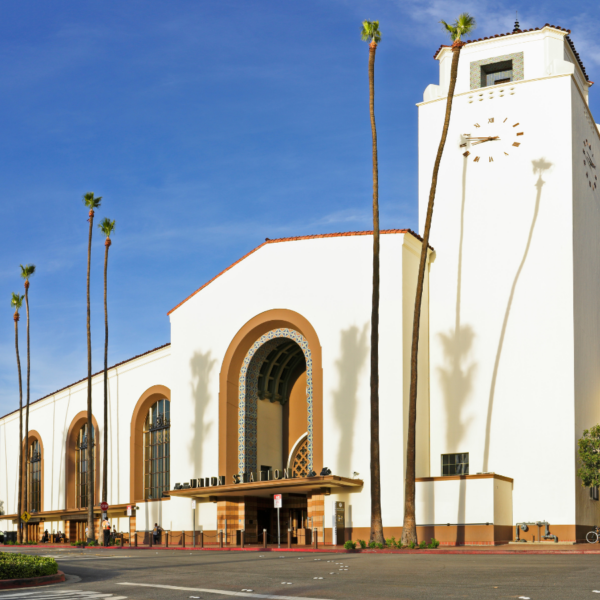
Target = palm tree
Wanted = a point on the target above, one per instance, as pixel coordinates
(16, 302)
(26, 272)
(370, 33)
(107, 227)
(462, 26)
(90, 202)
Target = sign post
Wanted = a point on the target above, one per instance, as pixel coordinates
(277, 500)
(194, 523)
(129, 511)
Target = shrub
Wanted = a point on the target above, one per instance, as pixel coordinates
(17, 566)
(434, 543)
(93, 543)
(423, 544)
(412, 545)
(379, 546)
(349, 545)
(362, 543)
(118, 542)
(372, 544)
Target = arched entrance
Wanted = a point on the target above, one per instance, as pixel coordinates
(275, 401)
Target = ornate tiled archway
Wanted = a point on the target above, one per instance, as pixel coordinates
(248, 394)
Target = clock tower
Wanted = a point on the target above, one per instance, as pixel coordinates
(514, 302)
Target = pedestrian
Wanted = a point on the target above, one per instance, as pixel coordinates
(106, 530)
(46, 537)
(156, 533)
(114, 534)
(87, 531)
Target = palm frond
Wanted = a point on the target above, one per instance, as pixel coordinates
(91, 201)
(27, 271)
(106, 226)
(370, 32)
(16, 301)
(462, 26)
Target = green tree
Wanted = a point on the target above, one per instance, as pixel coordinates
(462, 26)
(370, 33)
(91, 202)
(589, 457)
(16, 302)
(26, 272)
(107, 227)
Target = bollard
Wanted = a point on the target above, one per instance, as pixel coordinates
(242, 540)
(183, 539)
(264, 538)
(202, 539)
(221, 539)
(135, 540)
(166, 539)
(151, 539)
(289, 538)
(315, 538)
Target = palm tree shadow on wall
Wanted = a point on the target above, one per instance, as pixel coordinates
(456, 377)
(201, 366)
(353, 356)
(539, 167)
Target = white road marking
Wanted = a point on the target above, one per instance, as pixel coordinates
(60, 595)
(222, 592)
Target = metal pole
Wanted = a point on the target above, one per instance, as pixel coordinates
(278, 530)
(194, 528)
(226, 531)
(130, 532)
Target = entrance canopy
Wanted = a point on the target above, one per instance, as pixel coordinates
(296, 485)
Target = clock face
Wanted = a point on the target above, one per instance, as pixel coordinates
(589, 162)
(491, 139)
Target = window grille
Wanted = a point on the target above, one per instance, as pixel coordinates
(157, 450)
(84, 452)
(300, 462)
(34, 473)
(455, 464)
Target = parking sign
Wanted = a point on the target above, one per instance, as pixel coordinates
(277, 499)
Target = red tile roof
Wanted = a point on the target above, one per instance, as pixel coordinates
(294, 239)
(94, 375)
(570, 42)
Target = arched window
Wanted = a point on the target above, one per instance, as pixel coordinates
(157, 454)
(34, 474)
(84, 451)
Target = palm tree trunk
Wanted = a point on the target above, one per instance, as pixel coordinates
(26, 483)
(20, 492)
(409, 529)
(376, 521)
(90, 473)
(105, 461)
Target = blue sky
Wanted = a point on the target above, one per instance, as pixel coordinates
(206, 127)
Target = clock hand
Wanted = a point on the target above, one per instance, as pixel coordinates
(488, 139)
(590, 161)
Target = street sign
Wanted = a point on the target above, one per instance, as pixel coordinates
(193, 504)
(277, 499)
(25, 516)
(104, 505)
(129, 511)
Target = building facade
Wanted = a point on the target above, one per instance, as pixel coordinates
(264, 388)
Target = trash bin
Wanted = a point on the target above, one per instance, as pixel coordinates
(10, 536)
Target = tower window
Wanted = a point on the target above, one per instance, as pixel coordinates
(455, 464)
(500, 72)
(157, 454)
(594, 492)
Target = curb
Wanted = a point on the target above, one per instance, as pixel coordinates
(9, 584)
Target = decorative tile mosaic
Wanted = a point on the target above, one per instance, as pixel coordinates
(518, 68)
(248, 394)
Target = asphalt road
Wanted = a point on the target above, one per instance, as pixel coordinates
(178, 575)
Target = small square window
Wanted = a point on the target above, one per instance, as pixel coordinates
(500, 72)
(594, 492)
(455, 464)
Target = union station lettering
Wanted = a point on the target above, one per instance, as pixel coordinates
(251, 477)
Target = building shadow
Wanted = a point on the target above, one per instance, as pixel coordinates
(353, 355)
(201, 366)
(540, 166)
(456, 377)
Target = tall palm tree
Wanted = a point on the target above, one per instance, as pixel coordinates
(107, 227)
(462, 26)
(26, 272)
(16, 302)
(90, 202)
(370, 33)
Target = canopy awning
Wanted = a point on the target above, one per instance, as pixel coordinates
(296, 485)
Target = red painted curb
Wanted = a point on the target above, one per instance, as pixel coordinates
(9, 584)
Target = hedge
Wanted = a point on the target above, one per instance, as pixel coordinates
(17, 566)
